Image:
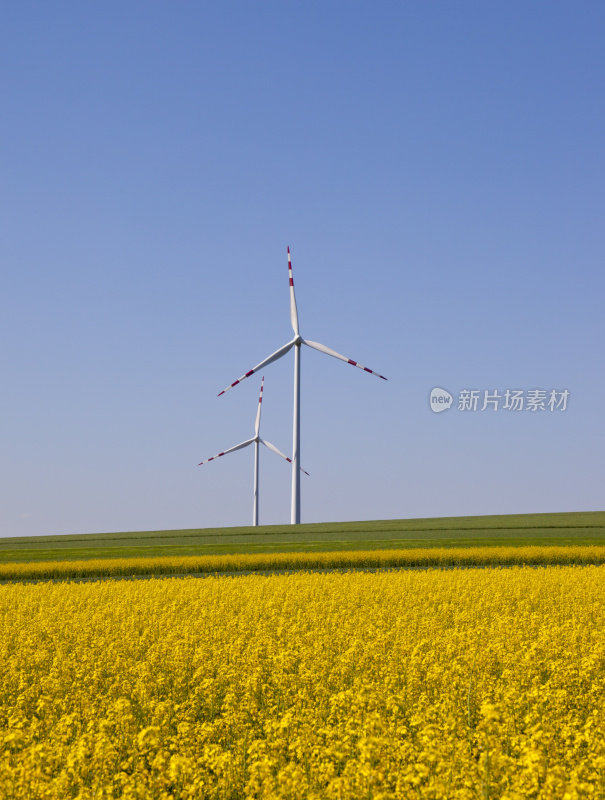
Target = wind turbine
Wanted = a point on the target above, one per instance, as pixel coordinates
(296, 343)
(256, 440)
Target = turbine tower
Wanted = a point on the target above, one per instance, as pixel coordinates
(296, 343)
(256, 440)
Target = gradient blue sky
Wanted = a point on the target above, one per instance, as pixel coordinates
(437, 169)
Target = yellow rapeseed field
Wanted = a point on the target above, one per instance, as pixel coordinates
(348, 559)
(437, 684)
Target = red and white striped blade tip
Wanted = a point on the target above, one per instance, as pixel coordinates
(260, 400)
(328, 351)
(208, 460)
(239, 380)
(265, 362)
(293, 309)
(228, 450)
(366, 369)
(300, 468)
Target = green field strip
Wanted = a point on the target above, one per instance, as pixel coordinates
(592, 520)
(516, 530)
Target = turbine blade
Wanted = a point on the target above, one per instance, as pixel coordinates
(323, 349)
(293, 309)
(269, 360)
(230, 450)
(279, 453)
(260, 400)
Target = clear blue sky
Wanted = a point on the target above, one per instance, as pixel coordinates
(437, 169)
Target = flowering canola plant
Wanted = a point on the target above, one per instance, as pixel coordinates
(459, 684)
(490, 555)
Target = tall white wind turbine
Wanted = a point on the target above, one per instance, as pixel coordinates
(296, 343)
(256, 440)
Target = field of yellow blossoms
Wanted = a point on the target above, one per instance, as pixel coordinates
(468, 683)
(423, 557)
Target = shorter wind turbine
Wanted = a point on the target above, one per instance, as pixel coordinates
(256, 440)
